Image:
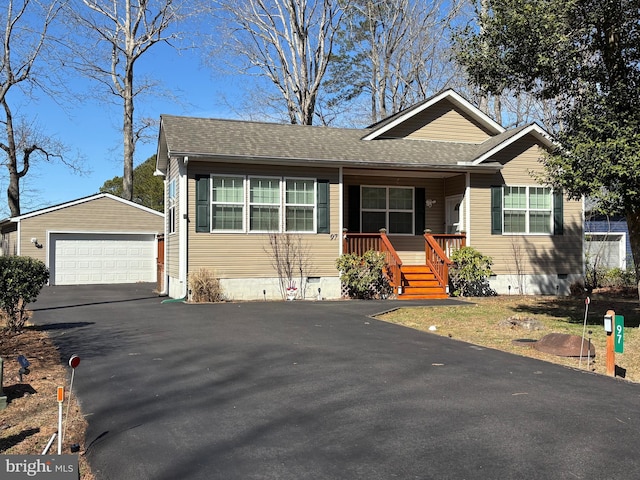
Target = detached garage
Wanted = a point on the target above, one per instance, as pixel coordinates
(93, 240)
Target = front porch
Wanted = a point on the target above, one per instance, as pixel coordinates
(414, 274)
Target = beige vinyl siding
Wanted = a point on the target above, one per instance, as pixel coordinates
(455, 185)
(99, 215)
(172, 239)
(524, 254)
(443, 122)
(9, 241)
(246, 255)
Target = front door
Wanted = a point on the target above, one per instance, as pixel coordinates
(453, 214)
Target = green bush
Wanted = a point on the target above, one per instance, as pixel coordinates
(598, 276)
(364, 276)
(618, 278)
(21, 279)
(469, 274)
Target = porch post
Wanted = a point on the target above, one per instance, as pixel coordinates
(341, 229)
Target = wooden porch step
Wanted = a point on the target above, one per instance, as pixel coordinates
(433, 296)
(416, 269)
(420, 283)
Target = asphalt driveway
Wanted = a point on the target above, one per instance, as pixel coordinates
(321, 390)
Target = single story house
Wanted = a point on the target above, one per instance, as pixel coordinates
(92, 240)
(415, 186)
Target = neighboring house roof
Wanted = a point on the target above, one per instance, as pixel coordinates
(42, 211)
(285, 143)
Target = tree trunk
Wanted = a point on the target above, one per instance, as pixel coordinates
(13, 190)
(127, 131)
(633, 224)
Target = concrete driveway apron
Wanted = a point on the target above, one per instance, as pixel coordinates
(320, 390)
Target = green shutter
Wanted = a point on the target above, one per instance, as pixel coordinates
(496, 210)
(420, 198)
(202, 203)
(354, 208)
(323, 206)
(558, 213)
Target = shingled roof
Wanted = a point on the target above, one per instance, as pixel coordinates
(229, 140)
(194, 137)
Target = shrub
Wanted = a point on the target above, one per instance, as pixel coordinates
(205, 286)
(618, 278)
(469, 274)
(21, 279)
(594, 273)
(577, 289)
(364, 276)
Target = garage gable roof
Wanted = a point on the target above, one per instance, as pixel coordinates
(78, 201)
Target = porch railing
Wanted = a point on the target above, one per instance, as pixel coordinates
(359, 243)
(437, 248)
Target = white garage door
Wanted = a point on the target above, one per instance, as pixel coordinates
(79, 259)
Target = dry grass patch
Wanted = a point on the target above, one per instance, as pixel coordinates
(479, 323)
(31, 416)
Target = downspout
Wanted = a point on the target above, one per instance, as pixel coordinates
(340, 211)
(184, 226)
(467, 207)
(165, 283)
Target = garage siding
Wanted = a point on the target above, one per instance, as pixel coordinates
(99, 239)
(104, 215)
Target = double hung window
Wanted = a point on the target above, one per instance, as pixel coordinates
(527, 210)
(391, 208)
(262, 204)
(227, 203)
(300, 206)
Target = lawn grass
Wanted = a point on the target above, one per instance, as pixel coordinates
(478, 322)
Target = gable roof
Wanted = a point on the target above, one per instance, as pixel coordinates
(260, 142)
(78, 201)
(383, 126)
(500, 142)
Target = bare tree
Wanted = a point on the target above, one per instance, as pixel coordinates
(287, 41)
(25, 41)
(291, 259)
(118, 34)
(396, 52)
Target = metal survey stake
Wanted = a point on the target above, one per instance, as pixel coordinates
(74, 361)
(60, 400)
(587, 301)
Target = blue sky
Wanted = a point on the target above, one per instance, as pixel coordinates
(92, 128)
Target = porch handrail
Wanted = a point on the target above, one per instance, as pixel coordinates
(394, 264)
(437, 259)
(359, 243)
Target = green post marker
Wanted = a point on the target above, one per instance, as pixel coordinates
(618, 334)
